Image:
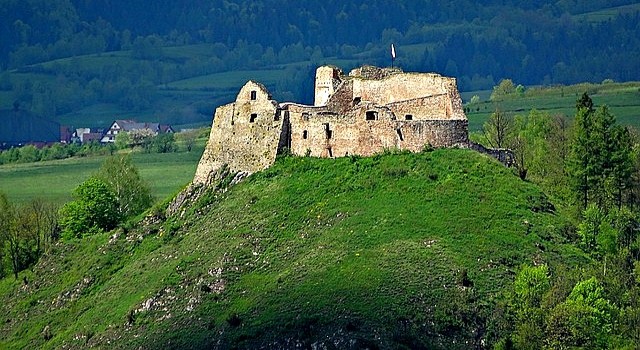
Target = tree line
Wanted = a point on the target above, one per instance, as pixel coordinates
(591, 167)
(136, 140)
(534, 43)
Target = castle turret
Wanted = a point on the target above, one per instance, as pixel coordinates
(327, 81)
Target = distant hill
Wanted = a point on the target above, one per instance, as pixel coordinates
(391, 251)
(88, 62)
(21, 127)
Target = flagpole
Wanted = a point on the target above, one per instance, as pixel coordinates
(393, 54)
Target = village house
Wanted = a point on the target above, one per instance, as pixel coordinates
(85, 135)
(119, 126)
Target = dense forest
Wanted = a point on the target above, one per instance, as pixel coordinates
(532, 43)
(539, 42)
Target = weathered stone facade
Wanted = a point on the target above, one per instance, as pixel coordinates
(369, 110)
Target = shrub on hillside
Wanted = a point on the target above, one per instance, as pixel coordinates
(93, 209)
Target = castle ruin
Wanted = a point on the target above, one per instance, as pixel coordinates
(362, 113)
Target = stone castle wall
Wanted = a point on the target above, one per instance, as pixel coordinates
(245, 135)
(327, 134)
(410, 86)
(370, 110)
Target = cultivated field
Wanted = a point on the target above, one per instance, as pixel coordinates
(166, 173)
(623, 100)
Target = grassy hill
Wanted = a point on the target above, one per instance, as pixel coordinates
(339, 253)
(187, 102)
(190, 102)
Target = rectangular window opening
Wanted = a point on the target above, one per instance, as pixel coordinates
(305, 116)
(328, 131)
(277, 116)
(253, 117)
(357, 100)
(372, 115)
(254, 95)
(304, 134)
(408, 117)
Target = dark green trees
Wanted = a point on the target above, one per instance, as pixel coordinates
(26, 232)
(600, 162)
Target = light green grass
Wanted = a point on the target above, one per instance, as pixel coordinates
(55, 180)
(623, 100)
(607, 14)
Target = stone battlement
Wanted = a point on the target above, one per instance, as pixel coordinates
(362, 113)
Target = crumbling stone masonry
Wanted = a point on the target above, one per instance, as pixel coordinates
(362, 113)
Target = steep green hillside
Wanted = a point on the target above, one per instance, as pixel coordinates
(340, 253)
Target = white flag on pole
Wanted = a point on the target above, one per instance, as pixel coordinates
(393, 52)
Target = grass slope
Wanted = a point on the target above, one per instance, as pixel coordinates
(344, 253)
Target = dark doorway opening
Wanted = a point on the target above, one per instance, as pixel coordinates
(372, 115)
(253, 118)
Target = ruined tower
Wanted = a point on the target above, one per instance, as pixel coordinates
(327, 81)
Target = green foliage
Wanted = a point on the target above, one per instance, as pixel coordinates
(599, 163)
(530, 286)
(504, 89)
(586, 318)
(26, 232)
(94, 209)
(591, 227)
(131, 193)
(164, 143)
(187, 139)
(30, 153)
(531, 283)
(498, 130)
(7, 217)
(123, 140)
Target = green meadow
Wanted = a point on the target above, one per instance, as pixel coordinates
(623, 100)
(166, 173)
